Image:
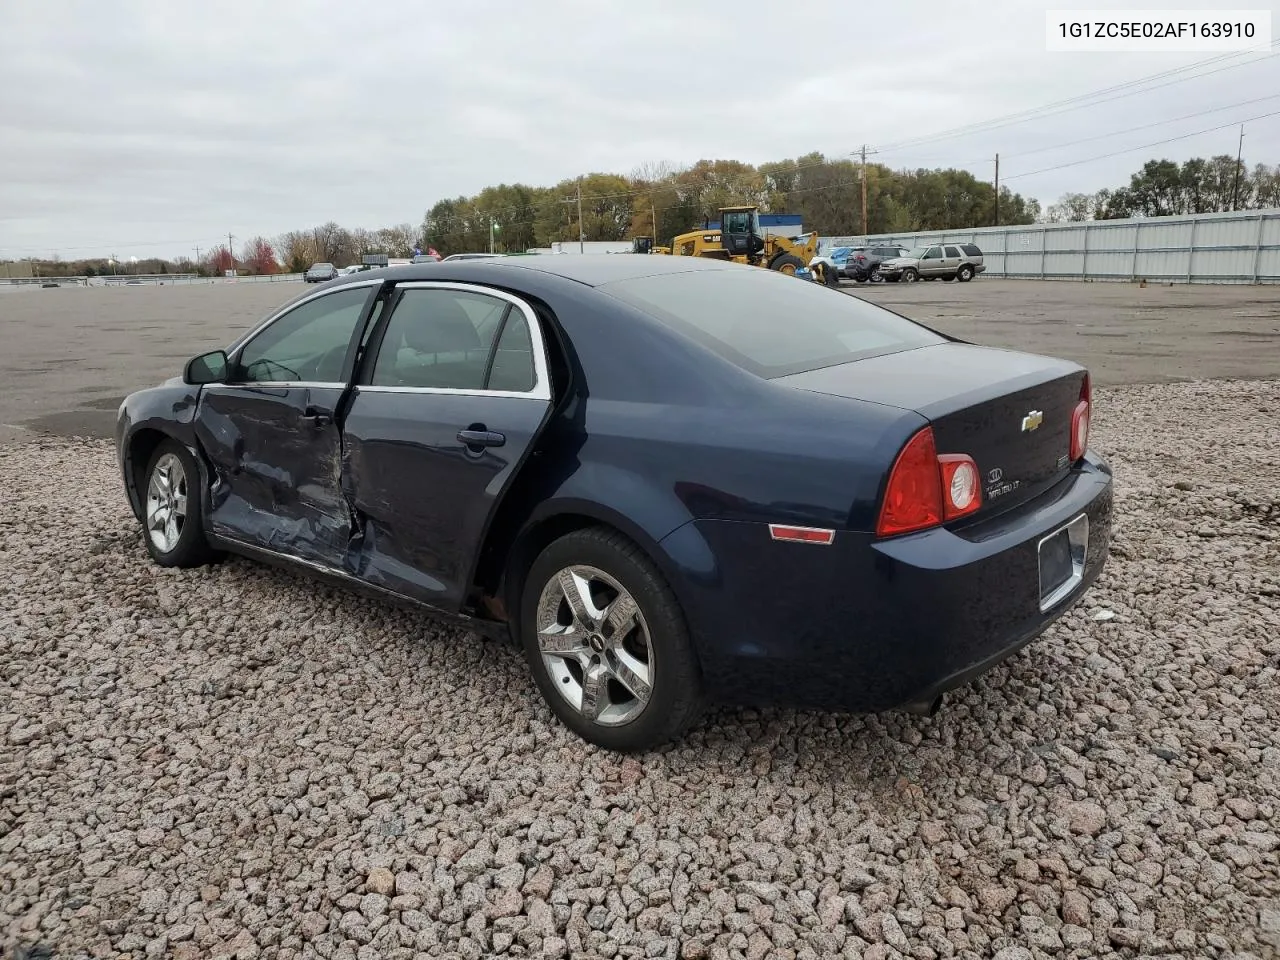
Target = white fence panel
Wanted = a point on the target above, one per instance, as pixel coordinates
(1242, 247)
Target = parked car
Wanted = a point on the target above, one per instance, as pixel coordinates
(946, 261)
(320, 272)
(863, 263)
(664, 494)
(425, 258)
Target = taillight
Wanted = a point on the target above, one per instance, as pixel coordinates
(1080, 420)
(926, 489)
(961, 492)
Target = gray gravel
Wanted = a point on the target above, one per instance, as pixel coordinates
(237, 762)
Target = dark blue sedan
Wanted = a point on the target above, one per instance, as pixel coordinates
(671, 480)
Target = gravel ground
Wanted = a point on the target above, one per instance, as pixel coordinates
(237, 762)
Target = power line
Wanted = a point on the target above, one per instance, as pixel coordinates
(1145, 126)
(1084, 100)
(1145, 146)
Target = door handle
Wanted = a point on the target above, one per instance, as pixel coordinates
(481, 438)
(317, 415)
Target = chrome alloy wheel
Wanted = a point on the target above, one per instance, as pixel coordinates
(166, 503)
(595, 645)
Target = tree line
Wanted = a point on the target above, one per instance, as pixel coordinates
(661, 201)
(1165, 188)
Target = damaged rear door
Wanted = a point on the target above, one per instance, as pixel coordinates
(447, 404)
(272, 435)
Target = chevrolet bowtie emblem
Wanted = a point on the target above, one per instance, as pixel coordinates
(1032, 420)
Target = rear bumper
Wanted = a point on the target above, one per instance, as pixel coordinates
(872, 625)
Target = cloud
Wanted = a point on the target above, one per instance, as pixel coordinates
(148, 127)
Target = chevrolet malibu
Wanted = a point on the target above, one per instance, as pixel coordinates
(670, 480)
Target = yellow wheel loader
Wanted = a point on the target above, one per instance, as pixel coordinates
(741, 240)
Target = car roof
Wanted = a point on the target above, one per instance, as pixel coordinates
(591, 269)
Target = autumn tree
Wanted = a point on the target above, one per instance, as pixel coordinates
(220, 261)
(260, 257)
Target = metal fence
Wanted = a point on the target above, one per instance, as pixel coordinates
(1205, 248)
(145, 279)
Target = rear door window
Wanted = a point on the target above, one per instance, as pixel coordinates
(439, 339)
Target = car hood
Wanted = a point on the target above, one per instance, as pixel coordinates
(900, 261)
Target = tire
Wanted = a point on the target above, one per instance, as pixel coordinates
(874, 276)
(965, 273)
(172, 498)
(786, 263)
(861, 279)
(910, 275)
(654, 648)
(830, 277)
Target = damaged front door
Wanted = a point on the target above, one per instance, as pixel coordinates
(272, 435)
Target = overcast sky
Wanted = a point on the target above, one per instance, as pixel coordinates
(147, 127)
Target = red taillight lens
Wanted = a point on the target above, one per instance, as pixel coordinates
(913, 498)
(1080, 420)
(961, 490)
(926, 489)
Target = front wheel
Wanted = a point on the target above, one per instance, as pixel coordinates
(910, 275)
(172, 504)
(607, 643)
(786, 263)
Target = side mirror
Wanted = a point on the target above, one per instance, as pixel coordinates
(207, 368)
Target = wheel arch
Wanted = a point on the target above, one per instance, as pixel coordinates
(506, 573)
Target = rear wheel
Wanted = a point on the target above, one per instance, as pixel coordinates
(861, 279)
(965, 273)
(786, 263)
(910, 275)
(607, 643)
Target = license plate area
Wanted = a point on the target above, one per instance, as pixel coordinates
(1061, 560)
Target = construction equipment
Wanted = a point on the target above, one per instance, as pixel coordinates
(645, 245)
(741, 240)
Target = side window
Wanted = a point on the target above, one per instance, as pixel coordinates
(513, 360)
(307, 344)
(933, 253)
(439, 338)
(953, 252)
(970, 250)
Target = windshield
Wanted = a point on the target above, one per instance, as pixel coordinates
(916, 253)
(768, 323)
(322, 266)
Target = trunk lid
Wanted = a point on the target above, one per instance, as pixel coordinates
(1010, 411)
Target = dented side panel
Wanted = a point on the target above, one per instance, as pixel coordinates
(276, 474)
(422, 496)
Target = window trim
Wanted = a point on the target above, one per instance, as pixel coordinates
(237, 346)
(541, 389)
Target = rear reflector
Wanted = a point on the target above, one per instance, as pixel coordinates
(801, 534)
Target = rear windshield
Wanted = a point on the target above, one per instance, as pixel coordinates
(768, 323)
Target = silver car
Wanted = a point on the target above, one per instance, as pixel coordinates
(944, 261)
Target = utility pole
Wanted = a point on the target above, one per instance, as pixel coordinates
(997, 189)
(653, 215)
(1235, 186)
(863, 178)
(582, 234)
(231, 252)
